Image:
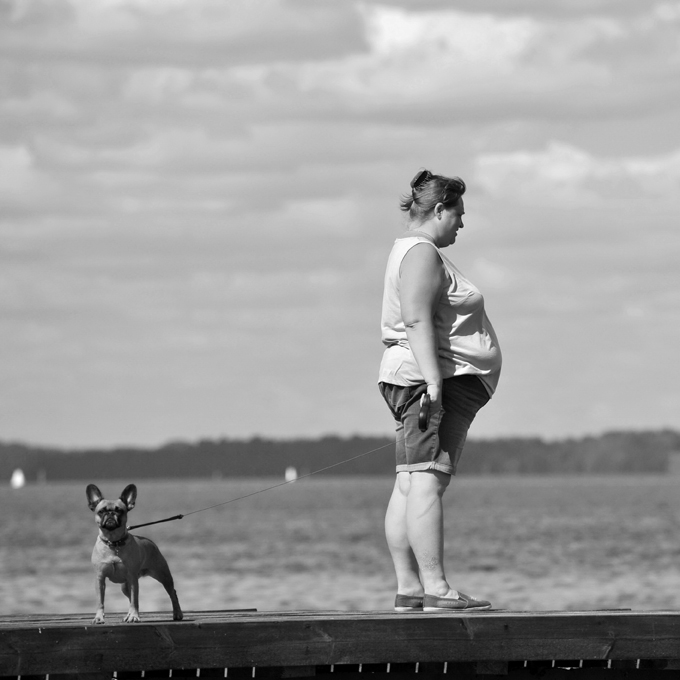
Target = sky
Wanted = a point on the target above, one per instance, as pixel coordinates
(198, 197)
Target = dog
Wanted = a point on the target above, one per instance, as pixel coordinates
(122, 557)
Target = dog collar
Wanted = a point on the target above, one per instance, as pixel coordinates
(115, 544)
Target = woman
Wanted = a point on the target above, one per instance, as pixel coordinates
(439, 343)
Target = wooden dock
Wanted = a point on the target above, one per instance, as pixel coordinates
(371, 645)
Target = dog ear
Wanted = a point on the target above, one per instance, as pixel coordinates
(94, 495)
(129, 496)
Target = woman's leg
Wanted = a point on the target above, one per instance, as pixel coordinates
(425, 529)
(405, 564)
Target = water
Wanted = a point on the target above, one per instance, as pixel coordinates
(525, 543)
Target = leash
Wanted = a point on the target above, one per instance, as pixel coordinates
(158, 521)
(423, 418)
(268, 488)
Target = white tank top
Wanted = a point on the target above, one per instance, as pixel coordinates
(467, 343)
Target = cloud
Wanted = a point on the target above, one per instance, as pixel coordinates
(203, 33)
(564, 173)
(196, 191)
(16, 168)
(447, 64)
(208, 62)
(22, 180)
(556, 8)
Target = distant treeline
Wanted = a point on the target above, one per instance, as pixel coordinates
(614, 452)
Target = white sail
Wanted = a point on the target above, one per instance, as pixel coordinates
(18, 479)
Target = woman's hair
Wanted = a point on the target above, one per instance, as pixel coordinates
(427, 190)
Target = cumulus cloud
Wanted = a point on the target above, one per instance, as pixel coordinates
(450, 64)
(16, 166)
(528, 7)
(207, 61)
(182, 176)
(563, 172)
(178, 32)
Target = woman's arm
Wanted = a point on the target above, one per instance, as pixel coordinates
(422, 279)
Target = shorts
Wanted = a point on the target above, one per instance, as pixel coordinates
(441, 445)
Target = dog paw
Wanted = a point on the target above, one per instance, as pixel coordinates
(177, 616)
(98, 619)
(132, 618)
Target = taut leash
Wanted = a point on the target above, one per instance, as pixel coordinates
(423, 419)
(158, 521)
(268, 488)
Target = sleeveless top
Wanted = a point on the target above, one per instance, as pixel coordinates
(467, 343)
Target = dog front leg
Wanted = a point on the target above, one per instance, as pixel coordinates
(100, 588)
(131, 589)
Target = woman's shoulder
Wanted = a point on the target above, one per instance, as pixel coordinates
(421, 254)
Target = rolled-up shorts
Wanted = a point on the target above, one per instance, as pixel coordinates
(441, 445)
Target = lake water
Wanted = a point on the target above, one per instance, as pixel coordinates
(525, 543)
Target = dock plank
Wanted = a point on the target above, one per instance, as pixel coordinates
(71, 644)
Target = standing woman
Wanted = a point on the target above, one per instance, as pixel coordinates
(439, 342)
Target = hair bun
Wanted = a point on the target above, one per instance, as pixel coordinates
(422, 176)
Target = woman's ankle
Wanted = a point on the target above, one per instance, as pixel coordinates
(440, 589)
(410, 587)
(411, 592)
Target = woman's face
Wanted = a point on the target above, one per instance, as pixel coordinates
(452, 221)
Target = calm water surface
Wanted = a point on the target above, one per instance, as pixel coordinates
(526, 543)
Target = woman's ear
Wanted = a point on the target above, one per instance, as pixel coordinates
(438, 210)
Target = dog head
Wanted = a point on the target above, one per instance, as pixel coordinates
(111, 515)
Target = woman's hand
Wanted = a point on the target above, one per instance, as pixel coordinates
(428, 405)
(435, 394)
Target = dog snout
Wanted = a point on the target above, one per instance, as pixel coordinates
(110, 520)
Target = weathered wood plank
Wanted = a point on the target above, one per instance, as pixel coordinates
(43, 620)
(307, 639)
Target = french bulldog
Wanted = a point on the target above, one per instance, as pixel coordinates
(122, 557)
